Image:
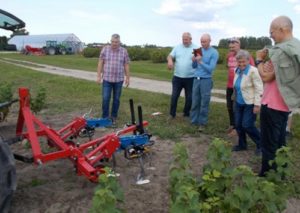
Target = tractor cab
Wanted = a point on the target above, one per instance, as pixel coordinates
(12, 23)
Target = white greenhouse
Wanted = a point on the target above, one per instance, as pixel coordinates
(70, 40)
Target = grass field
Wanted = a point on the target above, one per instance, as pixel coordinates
(66, 95)
(143, 69)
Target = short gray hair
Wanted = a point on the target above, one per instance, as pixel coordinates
(115, 36)
(242, 54)
(187, 34)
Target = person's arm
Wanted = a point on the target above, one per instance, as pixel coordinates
(170, 62)
(127, 74)
(100, 71)
(266, 71)
(212, 63)
(266, 75)
(251, 61)
(258, 91)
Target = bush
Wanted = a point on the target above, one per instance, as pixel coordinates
(139, 53)
(222, 55)
(108, 194)
(224, 188)
(160, 55)
(39, 101)
(91, 52)
(5, 96)
(6, 93)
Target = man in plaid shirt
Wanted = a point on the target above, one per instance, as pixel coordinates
(113, 65)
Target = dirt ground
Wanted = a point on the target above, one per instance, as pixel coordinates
(55, 188)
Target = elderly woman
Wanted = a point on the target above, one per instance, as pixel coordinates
(248, 88)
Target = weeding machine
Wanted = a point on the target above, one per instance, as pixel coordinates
(86, 157)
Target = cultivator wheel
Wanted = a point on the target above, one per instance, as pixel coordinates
(8, 181)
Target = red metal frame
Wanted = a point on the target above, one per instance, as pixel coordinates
(85, 156)
(34, 50)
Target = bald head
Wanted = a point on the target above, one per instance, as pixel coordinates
(205, 40)
(283, 22)
(281, 29)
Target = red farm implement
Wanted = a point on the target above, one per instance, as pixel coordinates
(86, 157)
(29, 50)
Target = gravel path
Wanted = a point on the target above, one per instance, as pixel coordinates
(164, 87)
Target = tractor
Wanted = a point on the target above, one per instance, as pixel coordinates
(55, 48)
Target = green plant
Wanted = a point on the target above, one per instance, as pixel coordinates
(160, 55)
(5, 96)
(39, 102)
(223, 188)
(107, 194)
(183, 186)
(91, 52)
(5, 92)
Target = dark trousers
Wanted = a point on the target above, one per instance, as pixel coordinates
(245, 124)
(230, 105)
(177, 85)
(273, 124)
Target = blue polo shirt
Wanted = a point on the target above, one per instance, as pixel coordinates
(183, 60)
(209, 60)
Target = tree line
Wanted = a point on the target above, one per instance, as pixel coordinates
(248, 42)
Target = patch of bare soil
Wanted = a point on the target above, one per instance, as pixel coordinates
(55, 188)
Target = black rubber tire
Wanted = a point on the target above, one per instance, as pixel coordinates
(63, 51)
(51, 51)
(8, 179)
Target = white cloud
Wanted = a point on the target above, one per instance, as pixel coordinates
(296, 4)
(186, 7)
(220, 26)
(297, 8)
(211, 25)
(192, 10)
(90, 16)
(169, 7)
(294, 1)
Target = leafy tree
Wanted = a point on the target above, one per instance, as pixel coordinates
(3, 42)
(248, 42)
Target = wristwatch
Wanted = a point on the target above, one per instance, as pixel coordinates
(257, 62)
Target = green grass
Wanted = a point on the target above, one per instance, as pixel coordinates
(143, 69)
(67, 95)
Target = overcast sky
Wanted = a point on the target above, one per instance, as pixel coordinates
(159, 22)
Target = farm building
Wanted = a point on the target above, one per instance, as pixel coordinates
(69, 40)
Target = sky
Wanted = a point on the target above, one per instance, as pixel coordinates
(157, 22)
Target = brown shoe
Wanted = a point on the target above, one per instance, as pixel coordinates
(201, 128)
(229, 129)
(232, 133)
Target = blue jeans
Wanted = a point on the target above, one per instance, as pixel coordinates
(107, 89)
(200, 100)
(245, 124)
(177, 85)
(273, 125)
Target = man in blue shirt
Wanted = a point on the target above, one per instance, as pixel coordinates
(202, 85)
(183, 74)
